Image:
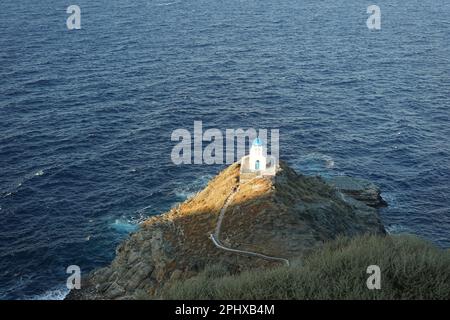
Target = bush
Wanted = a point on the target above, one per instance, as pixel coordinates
(411, 268)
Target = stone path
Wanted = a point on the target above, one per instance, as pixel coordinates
(215, 237)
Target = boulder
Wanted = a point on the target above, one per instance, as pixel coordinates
(359, 189)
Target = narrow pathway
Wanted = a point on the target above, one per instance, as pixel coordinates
(215, 237)
(223, 210)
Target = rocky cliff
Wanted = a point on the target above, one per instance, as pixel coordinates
(285, 216)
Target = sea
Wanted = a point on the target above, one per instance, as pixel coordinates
(86, 115)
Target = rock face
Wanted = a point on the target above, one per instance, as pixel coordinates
(360, 189)
(286, 216)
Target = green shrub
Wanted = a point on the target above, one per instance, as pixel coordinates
(411, 268)
(215, 271)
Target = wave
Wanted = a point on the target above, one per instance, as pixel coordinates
(124, 225)
(314, 162)
(55, 294)
(19, 183)
(185, 191)
(39, 173)
(390, 198)
(128, 223)
(398, 229)
(166, 4)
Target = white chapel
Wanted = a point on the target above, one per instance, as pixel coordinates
(257, 163)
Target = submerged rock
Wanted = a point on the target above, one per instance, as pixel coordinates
(285, 216)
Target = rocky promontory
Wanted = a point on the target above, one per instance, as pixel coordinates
(286, 216)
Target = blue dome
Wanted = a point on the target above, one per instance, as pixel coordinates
(257, 142)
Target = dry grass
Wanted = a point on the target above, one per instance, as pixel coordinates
(410, 269)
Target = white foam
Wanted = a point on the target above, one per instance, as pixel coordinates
(21, 181)
(144, 208)
(314, 162)
(166, 4)
(397, 229)
(329, 163)
(124, 225)
(55, 294)
(390, 199)
(186, 191)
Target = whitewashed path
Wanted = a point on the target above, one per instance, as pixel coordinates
(215, 237)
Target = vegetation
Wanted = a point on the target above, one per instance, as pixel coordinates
(411, 268)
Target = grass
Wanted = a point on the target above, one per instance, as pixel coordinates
(411, 268)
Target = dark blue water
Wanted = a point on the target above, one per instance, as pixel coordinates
(86, 115)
